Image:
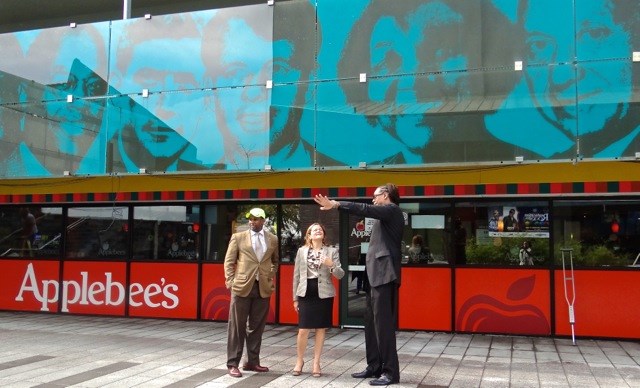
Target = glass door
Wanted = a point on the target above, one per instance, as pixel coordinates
(356, 233)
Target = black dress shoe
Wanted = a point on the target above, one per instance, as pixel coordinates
(365, 374)
(383, 380)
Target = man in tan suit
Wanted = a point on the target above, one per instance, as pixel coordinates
(249, 269)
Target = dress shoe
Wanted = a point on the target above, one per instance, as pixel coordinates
(383, 380)
(298, 372)
(234, 371)
(365, 374)
(255, 368)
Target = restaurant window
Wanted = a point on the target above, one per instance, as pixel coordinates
(30, 231)
(502, 233)
(296, 219)
(222, 221)
(97, 233)
(425, 234)
(166, 232)
(599, 233)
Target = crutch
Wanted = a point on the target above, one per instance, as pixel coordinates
(572, 317)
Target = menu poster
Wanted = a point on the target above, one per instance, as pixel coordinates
(522, 221)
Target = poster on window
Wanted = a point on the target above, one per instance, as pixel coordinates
(522, 221)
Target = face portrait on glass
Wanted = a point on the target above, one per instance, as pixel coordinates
(240, 96)
(162, 56)
(549, 44)
(73, 62)
(295, 36)
(408, 46)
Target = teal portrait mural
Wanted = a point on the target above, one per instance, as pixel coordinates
(306, 84)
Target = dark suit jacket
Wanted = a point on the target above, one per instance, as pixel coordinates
(384, 255)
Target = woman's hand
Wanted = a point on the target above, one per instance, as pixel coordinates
(327, 262)
(295, 306)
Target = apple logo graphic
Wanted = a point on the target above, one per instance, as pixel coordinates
(215, 305)
(484, 313)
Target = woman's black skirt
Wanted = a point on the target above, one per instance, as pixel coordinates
(314, 313)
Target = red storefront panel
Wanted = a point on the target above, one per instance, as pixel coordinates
(91, 287)
(216, 297)
(163, 290)
(287, 313)
(605, 305)
(29, 285)
(513, 301)
(425, 299)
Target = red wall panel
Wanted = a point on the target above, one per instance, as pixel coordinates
(606, 304)
(163, 290)
(514, 301)
(28, 285)
(94, 287)
(425, 299)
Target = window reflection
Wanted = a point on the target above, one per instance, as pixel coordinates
(222, 221)
(425, 237)
(296, 218)
(30, 231)
(166, 232)
(97, 233)
(502, 233)
(599, 233)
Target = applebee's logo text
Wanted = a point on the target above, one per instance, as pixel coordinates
(108, 293)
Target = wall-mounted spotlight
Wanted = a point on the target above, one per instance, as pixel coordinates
(363, 77)
(66, 173)
(362, 165)
(519, 159)
(270, 2)
(637, 155)
(147, 16)
(635, 56)
(69, 97)
(143, 171)
(73, 25)
(267, 167)
(145, 93)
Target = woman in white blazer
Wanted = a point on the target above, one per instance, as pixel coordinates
(313, 293)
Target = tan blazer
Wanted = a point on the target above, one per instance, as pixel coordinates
(325, 283)
(241, 264)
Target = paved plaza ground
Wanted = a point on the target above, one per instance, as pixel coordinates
(46, 350)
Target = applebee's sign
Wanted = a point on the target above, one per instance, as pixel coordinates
(106, 292)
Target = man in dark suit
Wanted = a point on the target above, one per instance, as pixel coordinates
(250, 267)
(383, 270)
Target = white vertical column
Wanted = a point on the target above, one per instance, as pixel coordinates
(126, 9)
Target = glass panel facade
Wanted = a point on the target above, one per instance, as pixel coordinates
(237, 88)
(185, 140)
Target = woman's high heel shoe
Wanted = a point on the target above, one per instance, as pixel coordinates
(316, 372)
(298, 372)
